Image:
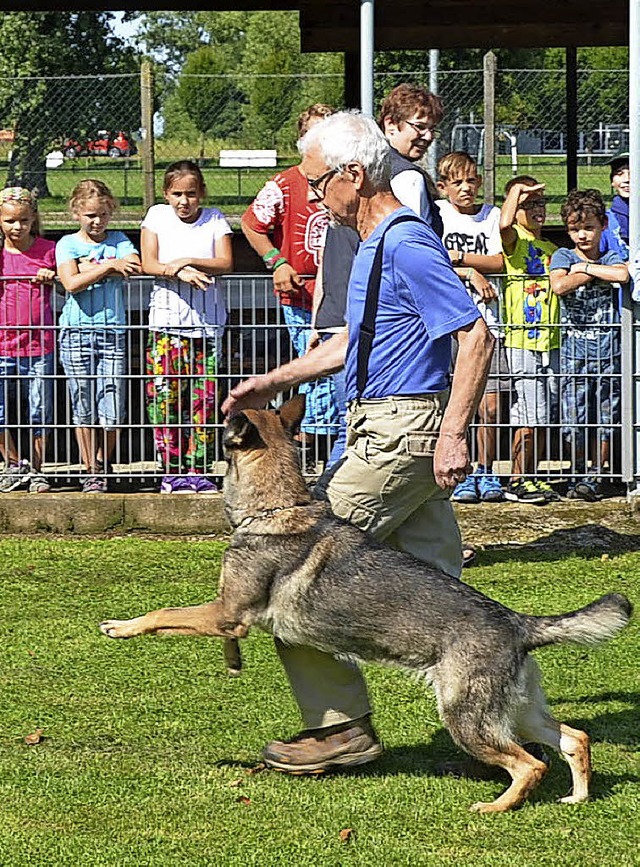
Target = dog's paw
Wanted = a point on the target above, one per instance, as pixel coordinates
(487, 807)
(574, 799)
(118, 628)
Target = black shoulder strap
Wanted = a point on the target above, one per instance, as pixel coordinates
(368, 326)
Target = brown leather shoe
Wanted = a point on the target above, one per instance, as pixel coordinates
(314, 751)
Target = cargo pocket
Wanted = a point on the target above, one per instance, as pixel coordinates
(421, 444)
(411, 469)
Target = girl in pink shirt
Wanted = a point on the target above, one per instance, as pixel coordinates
(27, 267)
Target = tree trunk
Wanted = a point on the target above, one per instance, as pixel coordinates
(27, 166)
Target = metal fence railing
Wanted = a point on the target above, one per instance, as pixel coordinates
(255, 340)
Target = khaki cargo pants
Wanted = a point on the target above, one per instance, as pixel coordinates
(384, 484)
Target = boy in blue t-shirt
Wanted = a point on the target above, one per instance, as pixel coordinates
(588, 284)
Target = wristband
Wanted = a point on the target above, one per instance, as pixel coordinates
(461, 259)
(469, 273)
(271, 257)
(280, 261)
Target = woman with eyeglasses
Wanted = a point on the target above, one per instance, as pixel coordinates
(408, 117)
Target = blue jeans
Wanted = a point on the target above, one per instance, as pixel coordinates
(590, 387)
(94, 362)
(321, 412)
(36, 373)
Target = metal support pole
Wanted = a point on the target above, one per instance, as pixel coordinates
(432, 153)
(366, 56)
(571, 84)
(147, 150)
(489, 66)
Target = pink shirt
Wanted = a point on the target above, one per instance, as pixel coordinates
(25, 303)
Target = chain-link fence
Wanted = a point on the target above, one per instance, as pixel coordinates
(56, 131)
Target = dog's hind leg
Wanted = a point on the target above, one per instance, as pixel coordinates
(535, 723)
(574, 746)
(476, 711)
(209, 619)
(525, 771)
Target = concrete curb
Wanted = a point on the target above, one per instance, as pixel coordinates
(90, 514)
(76, 514)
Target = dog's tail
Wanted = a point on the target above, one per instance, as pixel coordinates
(596, 622)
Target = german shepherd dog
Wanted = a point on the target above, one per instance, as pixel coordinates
(296, 570)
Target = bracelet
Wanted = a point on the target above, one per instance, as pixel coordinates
(271, 257)
(469, 273)
(586, 268)
(281, 261)
(461, 259)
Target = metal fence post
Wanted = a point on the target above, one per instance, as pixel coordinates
(147, 144)
(489, 66)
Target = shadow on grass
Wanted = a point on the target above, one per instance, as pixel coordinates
(422, 760)
(589, 540)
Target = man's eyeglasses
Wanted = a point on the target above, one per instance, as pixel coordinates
(424, 130)
(532, 204)
(319, 185)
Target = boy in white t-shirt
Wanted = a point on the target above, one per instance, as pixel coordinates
(472, 238)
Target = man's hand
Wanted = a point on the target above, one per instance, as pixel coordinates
(286, 280)
(451, 462)
(252, 393)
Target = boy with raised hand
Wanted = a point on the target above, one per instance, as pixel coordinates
(531, 312)
(616, 234)
(471, 236)
(588, 284)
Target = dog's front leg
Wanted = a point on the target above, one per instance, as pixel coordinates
(209, 619)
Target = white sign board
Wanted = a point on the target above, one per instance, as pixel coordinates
(248, 159)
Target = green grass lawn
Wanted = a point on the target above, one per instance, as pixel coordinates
(148, 745)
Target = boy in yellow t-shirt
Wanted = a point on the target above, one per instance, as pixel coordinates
(532, 339)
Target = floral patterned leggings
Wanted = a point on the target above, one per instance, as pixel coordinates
(181, 400)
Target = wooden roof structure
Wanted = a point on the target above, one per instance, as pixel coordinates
(334, 25)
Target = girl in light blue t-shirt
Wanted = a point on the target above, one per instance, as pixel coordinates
(92, 265)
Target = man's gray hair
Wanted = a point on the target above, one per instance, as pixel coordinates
(348, 137)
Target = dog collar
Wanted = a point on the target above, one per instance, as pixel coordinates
(266, 514)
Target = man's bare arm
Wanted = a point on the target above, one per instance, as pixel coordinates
(451, 460)
(257, 391)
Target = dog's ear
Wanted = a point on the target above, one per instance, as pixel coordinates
(240, 433)
(291, 414)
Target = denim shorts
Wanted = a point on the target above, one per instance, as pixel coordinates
(322, 414)
(33, 378)
(94, 362)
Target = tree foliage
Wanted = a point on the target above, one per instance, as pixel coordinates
(40, 101)
(209, 95)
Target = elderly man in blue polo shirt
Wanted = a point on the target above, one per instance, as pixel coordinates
(407, 423)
